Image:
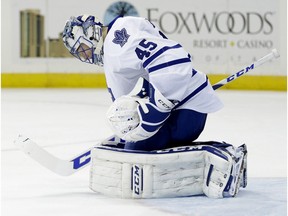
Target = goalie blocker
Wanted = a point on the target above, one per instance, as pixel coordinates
(211, 168)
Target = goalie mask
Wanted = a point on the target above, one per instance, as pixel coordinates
(83, 37)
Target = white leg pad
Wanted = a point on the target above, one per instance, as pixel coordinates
(185, 171)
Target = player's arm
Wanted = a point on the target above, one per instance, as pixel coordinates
(168, 65)
(138, 115)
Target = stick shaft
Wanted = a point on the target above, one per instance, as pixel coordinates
(273, 54)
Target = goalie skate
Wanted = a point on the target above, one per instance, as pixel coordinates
(243, 171)
(238, 177)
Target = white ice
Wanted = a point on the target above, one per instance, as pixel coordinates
(67, 121)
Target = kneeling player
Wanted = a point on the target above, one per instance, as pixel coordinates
(160, 102)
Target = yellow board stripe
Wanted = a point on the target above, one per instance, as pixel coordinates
(53, 80)
(97, 80)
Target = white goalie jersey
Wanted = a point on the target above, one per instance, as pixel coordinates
(135, 48)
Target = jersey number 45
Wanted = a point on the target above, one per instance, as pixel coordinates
(145, 49)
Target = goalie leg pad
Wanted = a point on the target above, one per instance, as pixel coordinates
(176, 172)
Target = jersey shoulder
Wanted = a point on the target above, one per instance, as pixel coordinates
(125, 34)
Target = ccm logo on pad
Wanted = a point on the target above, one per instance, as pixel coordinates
(136, 179)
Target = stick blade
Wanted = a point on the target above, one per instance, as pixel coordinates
(56, 165)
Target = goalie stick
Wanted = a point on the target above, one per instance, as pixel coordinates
(68, 167)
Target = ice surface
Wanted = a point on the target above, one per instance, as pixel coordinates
(67, 121)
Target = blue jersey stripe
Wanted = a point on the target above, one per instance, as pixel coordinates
(193, 72)
(168, 64)
(158, 53)
(192, 94)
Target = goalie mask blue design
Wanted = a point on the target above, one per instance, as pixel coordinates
(83, 37)
(121, 37)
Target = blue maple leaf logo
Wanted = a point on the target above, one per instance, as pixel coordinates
(121, 37)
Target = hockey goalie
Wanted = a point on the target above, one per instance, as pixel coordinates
(160, 106)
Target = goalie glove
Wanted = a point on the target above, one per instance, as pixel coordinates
(133, 118)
